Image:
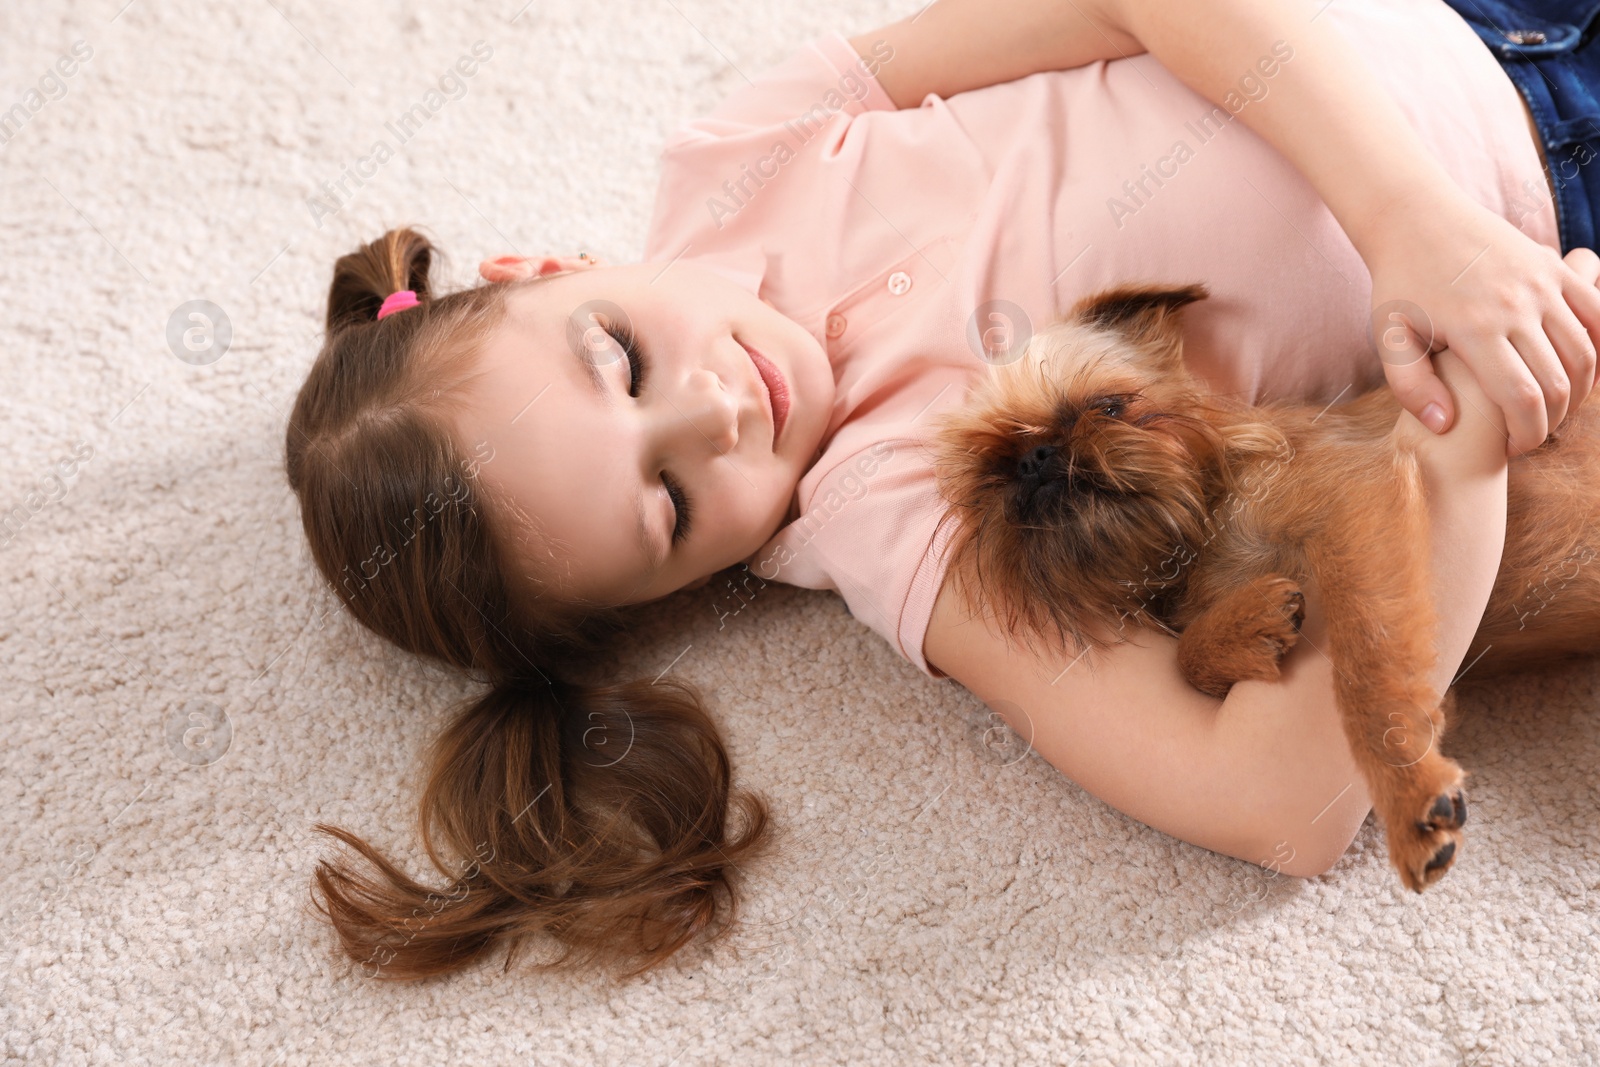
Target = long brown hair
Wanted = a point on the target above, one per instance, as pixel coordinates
(595, 815)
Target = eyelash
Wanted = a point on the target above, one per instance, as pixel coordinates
(638, 368)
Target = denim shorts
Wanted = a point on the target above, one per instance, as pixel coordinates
(1546, 48)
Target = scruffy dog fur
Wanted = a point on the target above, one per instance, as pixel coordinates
(1096, 483)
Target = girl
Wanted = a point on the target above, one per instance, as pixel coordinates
(836, 252)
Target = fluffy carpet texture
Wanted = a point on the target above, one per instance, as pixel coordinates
(181, 703)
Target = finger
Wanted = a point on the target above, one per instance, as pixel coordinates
(1539, 356)
(1582, 296)
(1509, 382)
(1577, 354)
(1411, 376)
(1584, 263)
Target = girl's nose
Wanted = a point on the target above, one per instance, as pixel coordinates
(710, 412)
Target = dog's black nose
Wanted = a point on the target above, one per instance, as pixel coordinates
(1033, 462)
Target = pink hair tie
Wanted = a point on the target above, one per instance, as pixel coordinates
(405, 298)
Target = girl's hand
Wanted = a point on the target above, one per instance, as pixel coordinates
(1524, 320)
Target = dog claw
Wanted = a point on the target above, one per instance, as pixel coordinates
(1291, 609)
(1298, 611)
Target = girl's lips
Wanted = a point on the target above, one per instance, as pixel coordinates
(777, 390)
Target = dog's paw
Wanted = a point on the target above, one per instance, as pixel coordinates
(1282, 614)
(1243, 636)
(1423, 817)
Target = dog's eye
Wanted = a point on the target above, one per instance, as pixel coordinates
(1111, 409)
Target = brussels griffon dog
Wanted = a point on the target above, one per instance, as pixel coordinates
(1096, 483)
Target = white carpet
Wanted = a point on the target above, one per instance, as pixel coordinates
(929, 905)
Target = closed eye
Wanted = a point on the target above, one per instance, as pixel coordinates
(1111, 406)
(680, 502)
(638, 370)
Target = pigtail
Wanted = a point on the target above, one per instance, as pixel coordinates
(400, 259)
(593, 815)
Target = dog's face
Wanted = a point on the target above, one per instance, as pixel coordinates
(1077, 472)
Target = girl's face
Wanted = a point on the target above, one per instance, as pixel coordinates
(637, 477)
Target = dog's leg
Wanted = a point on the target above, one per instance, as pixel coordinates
(1373, 572)
(1242, 635)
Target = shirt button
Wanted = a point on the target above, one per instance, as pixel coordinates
(899, 283)
(836, 325)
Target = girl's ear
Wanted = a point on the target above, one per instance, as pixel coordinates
(517, 268)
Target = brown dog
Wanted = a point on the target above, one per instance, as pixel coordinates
(1096, 482)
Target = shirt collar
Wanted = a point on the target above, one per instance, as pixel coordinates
(745, 266)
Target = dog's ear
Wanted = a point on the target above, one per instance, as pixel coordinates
(1146, 315)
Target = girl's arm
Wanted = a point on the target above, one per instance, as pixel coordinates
(1266, 774)
(1325, 112)
(952, 46)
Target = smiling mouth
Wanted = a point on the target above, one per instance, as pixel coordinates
(776, 389)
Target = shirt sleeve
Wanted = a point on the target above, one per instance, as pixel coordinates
(801, 109)
(826, 76)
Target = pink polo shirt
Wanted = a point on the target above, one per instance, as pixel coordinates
(883, 231)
